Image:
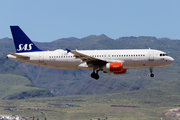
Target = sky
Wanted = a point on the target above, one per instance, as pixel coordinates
(49, 20)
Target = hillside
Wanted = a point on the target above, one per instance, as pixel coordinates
(9, 67)
(149, 104)
(73, 82)
(19, 87)
(15, 84)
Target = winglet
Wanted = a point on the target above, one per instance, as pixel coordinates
(68, 50)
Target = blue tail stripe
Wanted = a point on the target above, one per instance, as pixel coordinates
(21, 41)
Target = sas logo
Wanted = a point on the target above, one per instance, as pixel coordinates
(25, 47)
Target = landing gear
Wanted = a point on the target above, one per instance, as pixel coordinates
(152, 75)
(95, 75)
(151, 70)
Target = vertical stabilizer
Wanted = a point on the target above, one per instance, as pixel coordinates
(21, 41)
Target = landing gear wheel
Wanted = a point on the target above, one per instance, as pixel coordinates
(152, 75)
(151, 70)
(95, 75)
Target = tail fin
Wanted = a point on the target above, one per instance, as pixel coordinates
(21, 41)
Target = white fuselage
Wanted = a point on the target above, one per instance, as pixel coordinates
(132, 58)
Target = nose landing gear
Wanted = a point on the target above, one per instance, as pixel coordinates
(151, 70)
(95, 75)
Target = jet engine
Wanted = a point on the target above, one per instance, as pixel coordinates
(114, 68)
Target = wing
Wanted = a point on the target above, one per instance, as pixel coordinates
(88, 59)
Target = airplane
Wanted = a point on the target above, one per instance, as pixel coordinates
(109, 61)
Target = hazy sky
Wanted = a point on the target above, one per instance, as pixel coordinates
(48, 20)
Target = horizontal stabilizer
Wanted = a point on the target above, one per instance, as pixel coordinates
(17, 55)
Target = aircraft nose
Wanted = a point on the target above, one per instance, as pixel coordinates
(170, 60)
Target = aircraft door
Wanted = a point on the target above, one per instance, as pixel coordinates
(151, 55)
(41, 58)
(104, 56)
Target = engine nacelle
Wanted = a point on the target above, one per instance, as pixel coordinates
(117, 73)
(113, 67)
(122, 72)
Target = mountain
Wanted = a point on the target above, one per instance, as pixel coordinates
(73, 82)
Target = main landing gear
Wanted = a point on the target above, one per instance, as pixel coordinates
(151, 70)
(95, 75)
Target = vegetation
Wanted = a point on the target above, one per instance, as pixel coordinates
(19, 87)
(147, 104)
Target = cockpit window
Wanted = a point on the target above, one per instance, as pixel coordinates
(163, 54)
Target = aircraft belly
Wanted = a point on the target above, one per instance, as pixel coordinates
(73, 63)
(139, 64)
(63, 64)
